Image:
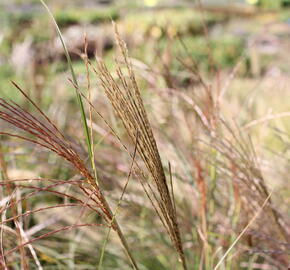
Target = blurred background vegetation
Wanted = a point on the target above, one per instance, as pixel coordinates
(28, 40)
(240, 47)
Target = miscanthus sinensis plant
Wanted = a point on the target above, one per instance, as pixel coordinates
(205, 206)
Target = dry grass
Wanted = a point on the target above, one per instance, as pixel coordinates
(127, 102)
(208, 194)
(45, 134)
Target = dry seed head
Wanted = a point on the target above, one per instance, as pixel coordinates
(45, 134)
(124, 95)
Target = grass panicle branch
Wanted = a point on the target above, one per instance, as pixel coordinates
(45, 134)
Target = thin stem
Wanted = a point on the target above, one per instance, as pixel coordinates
(117, 208)
(74, 78)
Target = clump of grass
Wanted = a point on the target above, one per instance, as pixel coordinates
(220, 182)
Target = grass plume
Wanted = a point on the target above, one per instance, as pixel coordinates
(126, 99)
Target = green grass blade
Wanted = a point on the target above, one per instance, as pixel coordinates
(74, 79)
